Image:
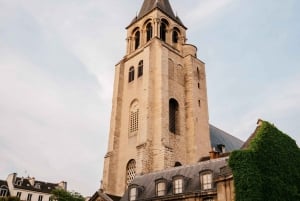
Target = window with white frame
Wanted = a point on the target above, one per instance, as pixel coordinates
(178, 185)
(206, 180)
(37, 185)
(161, 188)
(40, 198)
(133, 194)
(3, 191)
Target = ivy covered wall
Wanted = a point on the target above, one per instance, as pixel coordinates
(269, 168)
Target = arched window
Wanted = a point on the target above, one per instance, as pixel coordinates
(177, 164)
(173, 116)
(134, 118)
(175, 36)
(198, 73)
(163, 30)
(131, 74)
(206, 180)
(140, 68)
(3, 191)
(149, 31)
(130, 171)
(137, 38)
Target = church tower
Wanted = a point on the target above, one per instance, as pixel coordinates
(159, 115)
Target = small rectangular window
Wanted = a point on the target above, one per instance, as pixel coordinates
(29, 197)
(19, 194)
(40, 198)
(178, 186)
(133, 194)
(161, 189)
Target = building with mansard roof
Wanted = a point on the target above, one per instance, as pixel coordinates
(28, 189)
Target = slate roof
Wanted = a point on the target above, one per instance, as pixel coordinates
(104, 196)
(3, 183)
(218, 136)
(44, 186)
(190, 172)
(162, 5)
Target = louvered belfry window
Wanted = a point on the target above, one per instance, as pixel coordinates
(131, 169)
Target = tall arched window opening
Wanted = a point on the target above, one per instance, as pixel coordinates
(173, 116)
(163, 30)
(134, 118)
(175, 36)
(137, 38)
(149, 30)
(130, 171)
(198, 73)
(140, 68)
(131, 74)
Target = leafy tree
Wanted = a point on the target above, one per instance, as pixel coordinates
(269, 169)
(62, 195)
(9, 198)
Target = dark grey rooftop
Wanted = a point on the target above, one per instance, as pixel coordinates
(43, 186)
(162, 5)
(190, 173)
(220, 137)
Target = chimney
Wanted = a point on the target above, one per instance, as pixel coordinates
(31, 180)
(214, 154)
(62, 185)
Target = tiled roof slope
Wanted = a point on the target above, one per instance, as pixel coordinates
(44, 186)
(163, 5)
(218, 136)
(3, 183)
(190, 172)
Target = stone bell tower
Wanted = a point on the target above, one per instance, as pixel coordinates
(159, 115)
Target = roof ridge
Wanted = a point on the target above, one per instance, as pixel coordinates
(184, 166)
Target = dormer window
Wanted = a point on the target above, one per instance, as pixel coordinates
(19, 183)
(133, 194)
(37, 186)
(178, 185)
(3, 191)
(161, 187)
(206, 180)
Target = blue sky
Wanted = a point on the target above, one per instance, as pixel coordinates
(57, 62)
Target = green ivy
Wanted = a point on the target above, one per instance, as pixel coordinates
(269, 169)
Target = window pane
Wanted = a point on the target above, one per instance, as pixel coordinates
(178, 186)
(206, 180)
(161, 189)
(133, 194)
